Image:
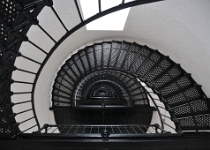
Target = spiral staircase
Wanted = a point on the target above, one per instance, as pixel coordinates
(105, 93)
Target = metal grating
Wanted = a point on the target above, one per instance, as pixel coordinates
(187, 122)
(184, 96)
(172, 74)
(203, 120)
(199, 106)
(179, 84)
(106, 52)
(182, 109)
(8, 14)
(114, 53)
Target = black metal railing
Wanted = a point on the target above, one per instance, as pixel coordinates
(102, 131)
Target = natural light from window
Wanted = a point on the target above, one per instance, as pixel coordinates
(114, 21)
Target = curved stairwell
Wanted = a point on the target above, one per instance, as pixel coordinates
(123, 67)
(183, 98)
